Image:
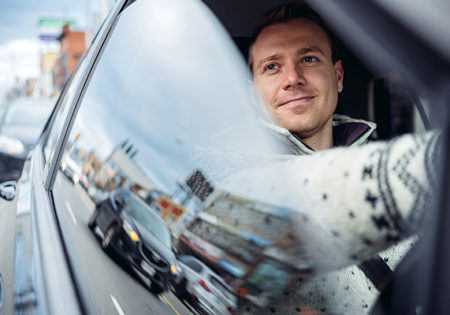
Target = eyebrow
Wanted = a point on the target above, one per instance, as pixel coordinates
(306, 50)
(301, 51)
(269, 58)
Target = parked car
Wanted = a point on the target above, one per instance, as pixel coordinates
(204, 288)
(71, 167)
(21, 123)
(163, 100)
(133, 230)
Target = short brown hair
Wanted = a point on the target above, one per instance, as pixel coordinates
(285, 13)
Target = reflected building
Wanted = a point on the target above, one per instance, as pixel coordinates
(92, 165)
(170, 211)
(251, 244)
(72, 47)
(120, 170)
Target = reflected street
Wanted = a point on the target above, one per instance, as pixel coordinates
(112, 286)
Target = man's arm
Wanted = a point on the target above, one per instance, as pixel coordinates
(351, 203)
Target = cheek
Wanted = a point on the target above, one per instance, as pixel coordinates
(328, 84)
(267, 89)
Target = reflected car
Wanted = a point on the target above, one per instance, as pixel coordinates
(71, 167)
(134, 231)
(96, 194)
(21, 123)
(203, 288)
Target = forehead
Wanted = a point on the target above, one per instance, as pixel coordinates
(294, 34)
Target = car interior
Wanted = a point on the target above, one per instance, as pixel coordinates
(383, 98)
(397, 111)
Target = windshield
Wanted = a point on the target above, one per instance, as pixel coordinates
(191, 263)
(143, 215)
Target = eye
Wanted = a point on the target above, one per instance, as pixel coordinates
(271, 67)
(309, 59)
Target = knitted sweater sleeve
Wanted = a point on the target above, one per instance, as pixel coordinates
(350, 203)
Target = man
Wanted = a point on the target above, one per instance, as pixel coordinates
(295, 68)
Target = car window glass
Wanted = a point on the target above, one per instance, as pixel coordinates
(397, 110)
(221, 287)
(143, 125)
(148, 219)
(61, 114)
(191, 263)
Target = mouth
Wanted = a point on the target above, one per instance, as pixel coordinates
(297, 101)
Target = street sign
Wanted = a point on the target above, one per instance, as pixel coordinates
(50, 28)
(199, 185)
(55, 22)
(48, 37)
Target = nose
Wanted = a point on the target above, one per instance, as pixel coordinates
(293, 77)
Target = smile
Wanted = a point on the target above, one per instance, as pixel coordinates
(297, 101)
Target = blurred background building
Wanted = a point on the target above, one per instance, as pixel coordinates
(62, 42)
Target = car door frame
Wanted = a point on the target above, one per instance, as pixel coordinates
(37, 214)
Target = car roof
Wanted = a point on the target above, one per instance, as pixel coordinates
(205, 269)
(240, 17)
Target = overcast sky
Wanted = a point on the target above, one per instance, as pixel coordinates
(20, 46)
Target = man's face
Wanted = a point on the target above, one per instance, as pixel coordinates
(293, 69)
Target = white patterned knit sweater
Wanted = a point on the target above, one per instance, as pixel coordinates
(351, 204)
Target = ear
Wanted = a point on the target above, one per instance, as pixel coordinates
(339, 75)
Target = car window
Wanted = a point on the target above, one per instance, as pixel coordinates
(62, 112)
(122, 196)
(228, 293)
(143, 215)
(191, 263)
(143, 125)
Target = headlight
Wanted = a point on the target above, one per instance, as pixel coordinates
(11, 146)
(129, 229)
(175, 269)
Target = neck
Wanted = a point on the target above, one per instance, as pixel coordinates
(321, 140)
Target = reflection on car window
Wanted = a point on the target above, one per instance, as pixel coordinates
(147, 127)
(143, 214)
(222, 288)
(61, 114)
(191, 263)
